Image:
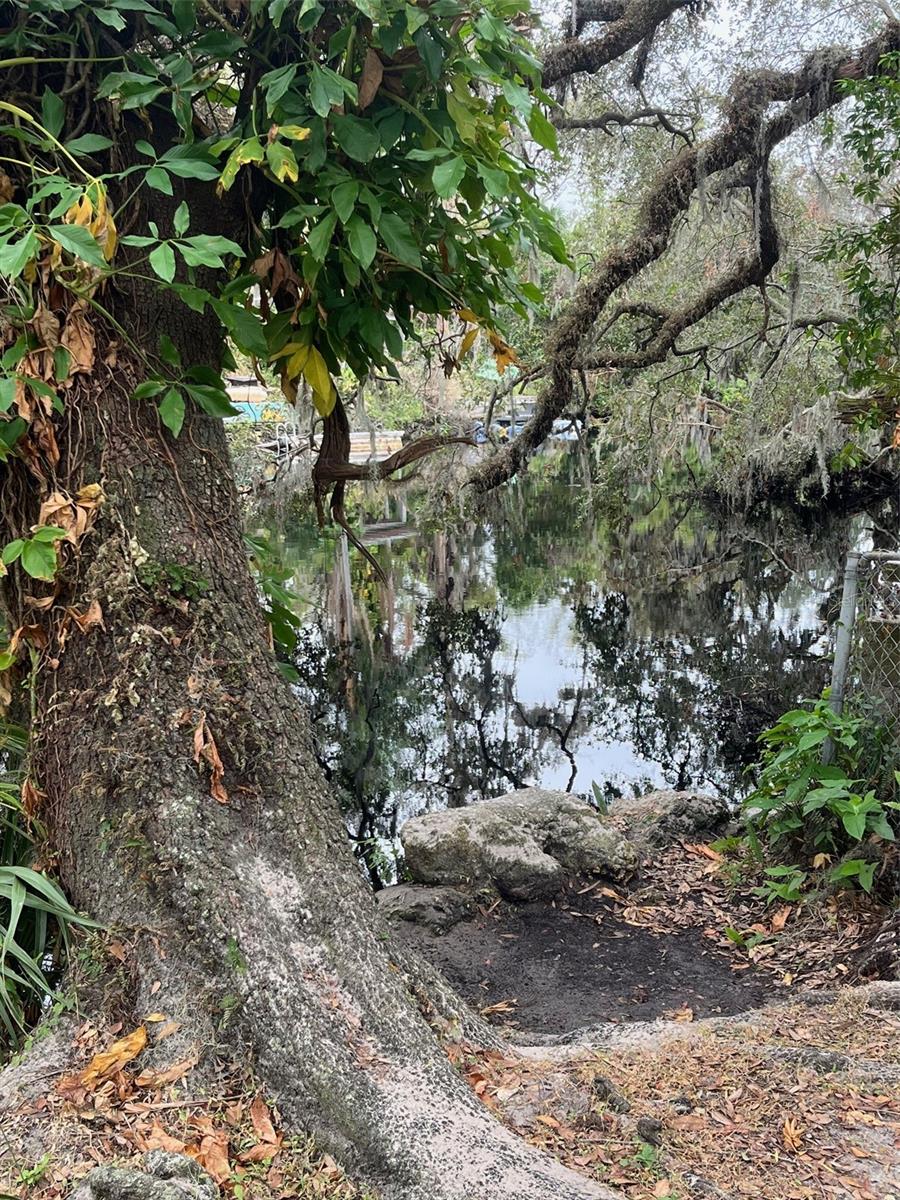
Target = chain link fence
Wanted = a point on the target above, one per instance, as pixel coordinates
(867, 643)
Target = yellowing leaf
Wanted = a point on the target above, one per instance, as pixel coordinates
(468, 315)
(504, 355)
(295, 364)
(108, 1062)
(467, 343)
(244, 152)
(282, 163)
(315, 371)
(297, 133)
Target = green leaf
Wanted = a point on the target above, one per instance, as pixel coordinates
(158, 179)
(495, 180)
(244, 326)
(213, 400)
(78, 241)
(446, 176)
(150, 387)
(53, 112)
(855, 824)
(162, 260)
(171, 411)
(7, 393)
(319, 237)
(11, 551)
(541, 129)
(48, 533)
(182, 218)
(320, 93)
(396, 235)
(15, 255)
(192, 168)
(362, 241)
(432, 52)
(88, 143)
(343, 198)
(357, 138)
(62, 363)
(39, 559)
(276, 83)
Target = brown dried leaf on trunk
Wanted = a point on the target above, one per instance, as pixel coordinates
(44, 438)
(205, 750)
(370, 79)
(46, 325)
(78, 339)
(91, 617)
(32, 799)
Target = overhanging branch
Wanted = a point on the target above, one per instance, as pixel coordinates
(744, 143)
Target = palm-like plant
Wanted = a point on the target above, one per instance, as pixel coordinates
(35, 916)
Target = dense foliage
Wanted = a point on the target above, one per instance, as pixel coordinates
(369, 156)
(823, 808)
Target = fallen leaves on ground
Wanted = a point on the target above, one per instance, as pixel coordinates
(738, 1111)
(107, 1113)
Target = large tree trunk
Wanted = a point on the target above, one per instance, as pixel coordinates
(250, 902)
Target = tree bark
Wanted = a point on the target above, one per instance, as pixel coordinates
(233, 876)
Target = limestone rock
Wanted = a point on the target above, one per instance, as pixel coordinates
(165, 1177)
(528, 844)
(663, 818)
(436, 908)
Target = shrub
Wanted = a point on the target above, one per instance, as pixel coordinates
(814, 812)
(35, 916)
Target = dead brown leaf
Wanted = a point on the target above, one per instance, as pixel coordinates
(792, 1134)
(262, 1122)
(370, 79)
(108, 1062)
(212, 1155)
(206, 750)
(159, 1079)
(158, 1139)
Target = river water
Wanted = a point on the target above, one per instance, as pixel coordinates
(547, 644)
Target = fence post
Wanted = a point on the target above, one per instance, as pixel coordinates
(843, 643)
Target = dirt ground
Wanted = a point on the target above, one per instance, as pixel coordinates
(687, 939)
(557, 968)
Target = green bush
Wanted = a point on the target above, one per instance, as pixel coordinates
(35, 916)
(811, 812)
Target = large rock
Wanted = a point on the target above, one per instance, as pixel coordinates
(437, 908)
(664, 818)
(527, 844)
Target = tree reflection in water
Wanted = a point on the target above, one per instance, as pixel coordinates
(545, 645)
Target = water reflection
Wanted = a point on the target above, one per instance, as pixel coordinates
(547, 645)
